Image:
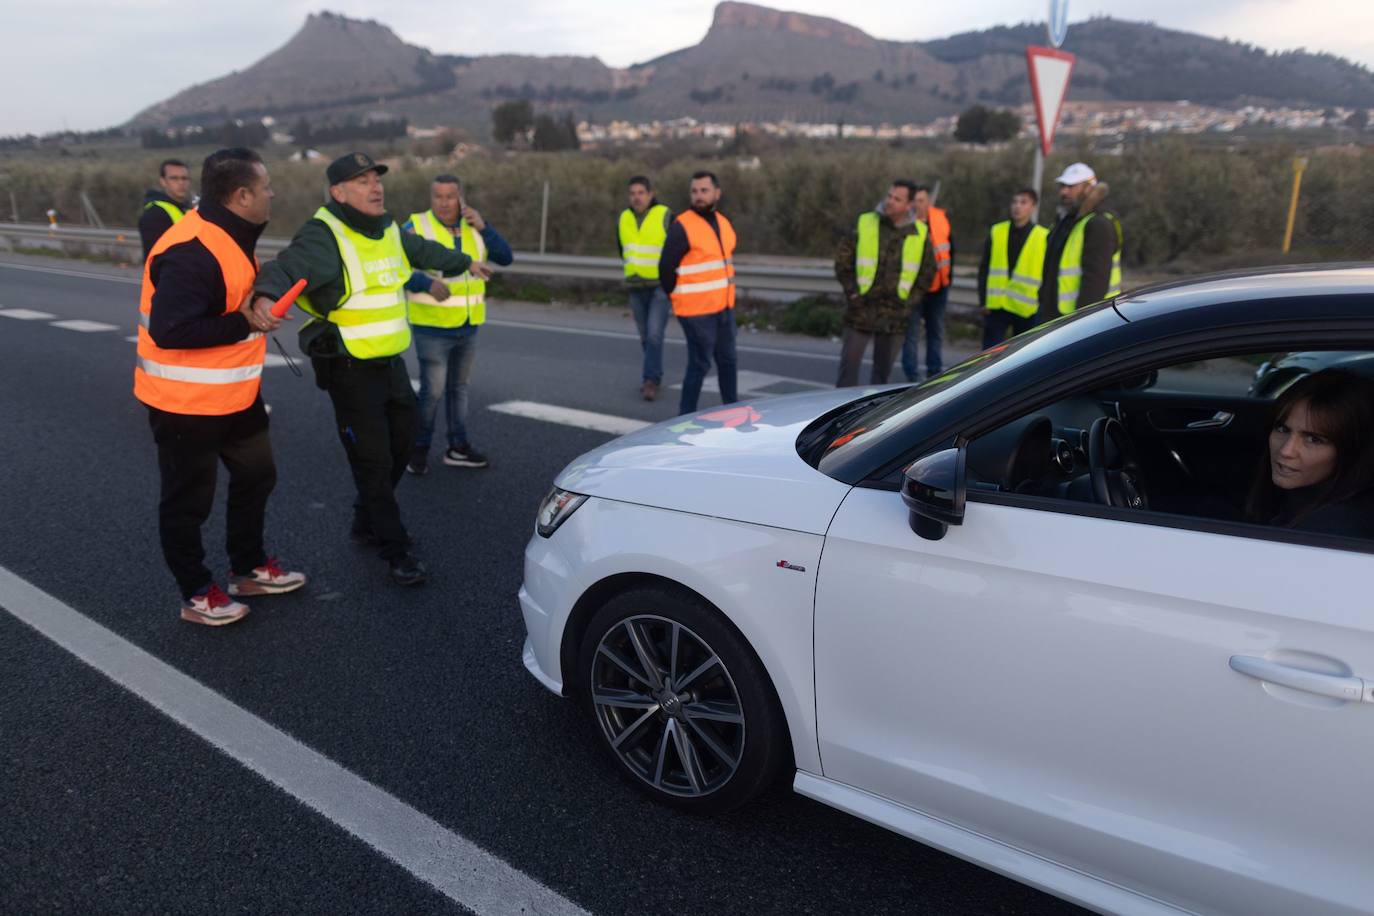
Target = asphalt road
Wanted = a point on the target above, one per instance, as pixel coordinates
(107, 804)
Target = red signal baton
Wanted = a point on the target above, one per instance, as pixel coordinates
(283, 305)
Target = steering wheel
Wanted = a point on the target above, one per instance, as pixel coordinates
(1115, 466)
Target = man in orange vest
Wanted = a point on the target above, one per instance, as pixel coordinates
(697, 273)
(930, 311)
(199, 371)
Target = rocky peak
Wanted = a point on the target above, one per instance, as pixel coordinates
(731, 16)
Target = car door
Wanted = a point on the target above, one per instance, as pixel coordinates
(1063, 682)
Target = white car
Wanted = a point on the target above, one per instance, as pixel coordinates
(1015, 613)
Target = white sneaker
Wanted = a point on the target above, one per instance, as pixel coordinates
(268, 579)
(213, 608)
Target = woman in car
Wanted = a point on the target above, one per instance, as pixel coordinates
(1318, 474)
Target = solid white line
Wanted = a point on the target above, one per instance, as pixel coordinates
(449, 862)
(26, 314)
(81, 324)
(567, 416)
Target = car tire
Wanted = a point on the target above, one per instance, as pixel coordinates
(703, 730)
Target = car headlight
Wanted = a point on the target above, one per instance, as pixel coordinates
(555, 509)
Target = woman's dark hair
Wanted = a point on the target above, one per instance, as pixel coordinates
(1340, 406)
(225, 171)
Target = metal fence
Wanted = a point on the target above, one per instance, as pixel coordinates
(771, 275)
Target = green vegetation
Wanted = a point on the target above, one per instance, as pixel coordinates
(1185, 208)
(980, 124)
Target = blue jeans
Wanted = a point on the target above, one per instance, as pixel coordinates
(930, 311)
(445, 365)
(650, 306)
(708, 336)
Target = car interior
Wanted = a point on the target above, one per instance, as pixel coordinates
(1186, 439)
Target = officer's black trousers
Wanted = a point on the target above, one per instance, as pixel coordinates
(189, 450)
(375, 413)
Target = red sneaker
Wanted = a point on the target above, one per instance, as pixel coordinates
(212, 607)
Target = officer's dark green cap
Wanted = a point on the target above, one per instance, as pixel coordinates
(351, 166)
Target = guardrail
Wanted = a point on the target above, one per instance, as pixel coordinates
(752, 273)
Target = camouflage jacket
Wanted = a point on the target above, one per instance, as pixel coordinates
(881, 310)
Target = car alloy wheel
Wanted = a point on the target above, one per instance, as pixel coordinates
(681, 702)
(667, 706)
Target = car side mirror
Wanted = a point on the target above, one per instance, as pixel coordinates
(933, 489)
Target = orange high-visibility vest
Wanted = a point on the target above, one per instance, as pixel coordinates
(938, 221)
(706, 276)
(207, 381)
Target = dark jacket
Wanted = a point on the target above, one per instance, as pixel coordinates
(881, 310)
(314, 255)
(639, 221)
(675, 248)
(1016, 240)
(188, 298)
(1099, 244)
(153, 220)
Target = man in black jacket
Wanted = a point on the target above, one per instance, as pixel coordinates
(199, 369)
(165, 205)
(1080, 201)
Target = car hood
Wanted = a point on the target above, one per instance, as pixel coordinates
(736, 462)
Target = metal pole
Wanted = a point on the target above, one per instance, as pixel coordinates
(1037, 177)
(14, 207)
(544, 219)
(1299, 164)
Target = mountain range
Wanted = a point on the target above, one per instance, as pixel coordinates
(756, 63)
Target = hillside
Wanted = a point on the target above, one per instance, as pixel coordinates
(757, 63)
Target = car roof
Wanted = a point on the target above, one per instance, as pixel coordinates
(1305, 281)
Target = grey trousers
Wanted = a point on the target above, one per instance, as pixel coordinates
(852, 347)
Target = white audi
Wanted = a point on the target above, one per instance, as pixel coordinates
(1089, 610)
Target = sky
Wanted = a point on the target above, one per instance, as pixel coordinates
(89, 64)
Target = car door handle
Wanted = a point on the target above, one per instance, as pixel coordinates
(1219, 420)
(1350, 689)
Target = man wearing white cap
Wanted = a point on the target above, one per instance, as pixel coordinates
(1083, 255)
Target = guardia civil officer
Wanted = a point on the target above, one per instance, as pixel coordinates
(165, 205)
(356, 261)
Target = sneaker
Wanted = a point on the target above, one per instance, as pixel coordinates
(268, 579)
(649, 390)
(465, 456)
(407, 570)
(212, 607)
(419, 462)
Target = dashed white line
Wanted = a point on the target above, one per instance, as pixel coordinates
(84, 326)
(26, 314)
(567, 416)
(446, 860)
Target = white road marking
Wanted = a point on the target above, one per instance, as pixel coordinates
(448, 861)
(496, 322)
(87, 327)
(749, 382)
(567, 416)
(26, 314)
(133, 339)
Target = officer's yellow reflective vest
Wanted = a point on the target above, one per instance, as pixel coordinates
(371, 316)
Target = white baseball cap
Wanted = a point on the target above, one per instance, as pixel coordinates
(1077, 173)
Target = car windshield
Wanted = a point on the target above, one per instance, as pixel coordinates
(869, 415)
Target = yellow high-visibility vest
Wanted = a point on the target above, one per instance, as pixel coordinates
(467, 295)
(1016, 289)
(641, 242)
(173, 212)
(1071, 264)
(371, 317)
(866, 255)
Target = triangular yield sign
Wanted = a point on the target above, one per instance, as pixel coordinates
(1049, 79)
